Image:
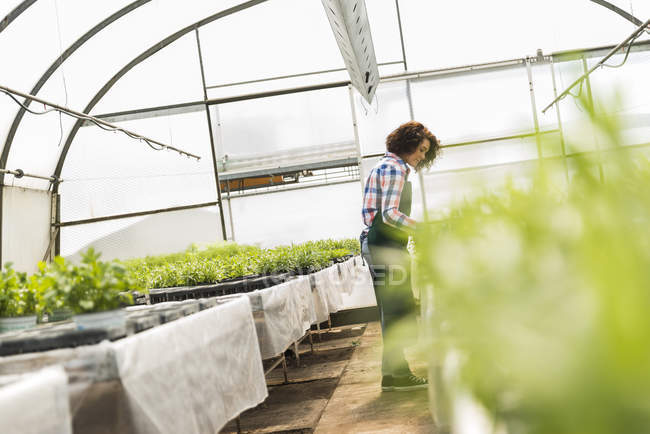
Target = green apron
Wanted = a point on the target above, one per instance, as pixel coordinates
(388, 258)
(383, 235)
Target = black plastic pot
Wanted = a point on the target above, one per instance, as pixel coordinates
(224, 287)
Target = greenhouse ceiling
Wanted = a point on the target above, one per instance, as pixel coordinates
(86, 55)
(251, 87)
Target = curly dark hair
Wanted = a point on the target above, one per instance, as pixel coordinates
(405, 139)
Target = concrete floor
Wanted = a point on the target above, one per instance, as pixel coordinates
(337, 390)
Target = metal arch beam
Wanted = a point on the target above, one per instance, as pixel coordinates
(628, 16)
(139, 59)
(15, 13)
(41, 82)
(55, 65)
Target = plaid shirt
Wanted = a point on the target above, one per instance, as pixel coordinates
(388, 178)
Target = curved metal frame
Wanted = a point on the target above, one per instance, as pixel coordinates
(139, 59)
(55, 65)
(628, 16)
(15, 13)
(4, 157)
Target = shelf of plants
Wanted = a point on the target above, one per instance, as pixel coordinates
(206, 365)
(267, 321)
(93, 291)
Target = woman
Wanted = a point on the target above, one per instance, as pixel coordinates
(386, 215)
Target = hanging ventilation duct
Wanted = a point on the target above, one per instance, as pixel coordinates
(351, 28)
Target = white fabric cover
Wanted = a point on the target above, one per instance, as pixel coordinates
(36, 403)
(348, 275)
(319, 299)
(303, 301)
(190, 375)
(326, 281)
(362, 293)
(336, 285)
(279, 324)
(209, 372)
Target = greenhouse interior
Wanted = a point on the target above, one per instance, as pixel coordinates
(272, 216)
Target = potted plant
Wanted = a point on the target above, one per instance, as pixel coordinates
(17, 302)
(93, 290)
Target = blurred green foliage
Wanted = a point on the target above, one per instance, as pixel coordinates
(15, 299)
(544, 292)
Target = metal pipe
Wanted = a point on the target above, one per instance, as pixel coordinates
(355, 127)
(401, 34)
(213, 152)
(284, 77)
(19, 174)
(81, 116)
(278, 92)
(559, 124)
(476, 142)
(613, 51)
(452, 70)
(133, 214)
(538, 140)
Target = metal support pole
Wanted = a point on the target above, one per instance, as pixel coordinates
(295, 349)
(320, 336)
(590, 101)
(425, 211)
(538, 138)
(559, 123)
(214, 156)
(232, 226)
(355, 126)
(329, 323)
(311, 341)
(57, 220)
(54, 229)
(284, 369)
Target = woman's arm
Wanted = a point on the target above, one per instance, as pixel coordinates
(392, 180)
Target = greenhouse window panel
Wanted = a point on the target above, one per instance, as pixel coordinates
(351, 28)
(278, 163)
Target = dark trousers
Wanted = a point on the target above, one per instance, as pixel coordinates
(390, 269)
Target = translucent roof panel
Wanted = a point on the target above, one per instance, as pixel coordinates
(389, 109)
(470, 106)
(278, 38)
(287, 122)
(92, 65)
(171, 76)
(271, 39)
(441, 34)
(108, 173)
